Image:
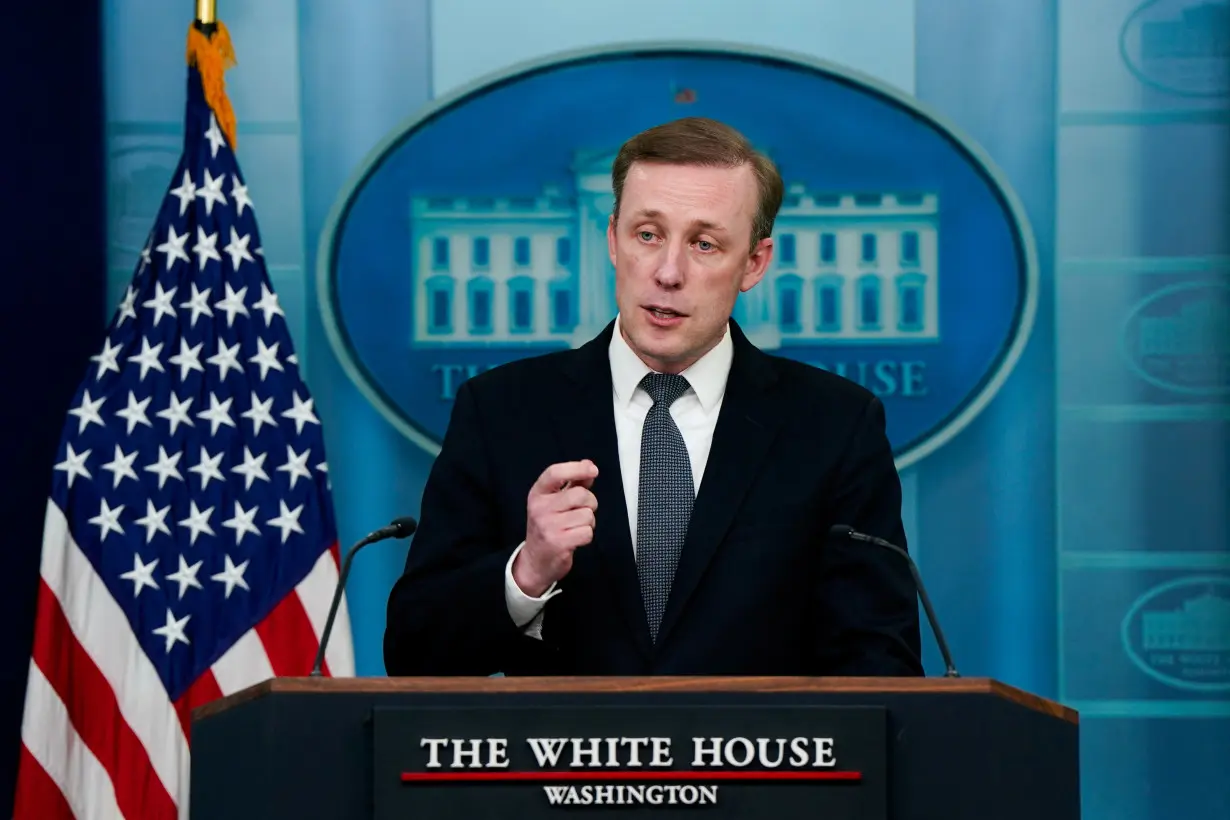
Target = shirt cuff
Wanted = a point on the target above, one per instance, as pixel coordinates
(526, 611)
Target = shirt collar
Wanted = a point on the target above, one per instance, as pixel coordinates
(707, 376)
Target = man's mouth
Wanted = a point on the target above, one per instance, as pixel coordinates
(664, 312)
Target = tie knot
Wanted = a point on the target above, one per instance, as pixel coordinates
(664, 388)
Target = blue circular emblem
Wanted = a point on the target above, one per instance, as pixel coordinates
(1175, 338)
(1176, 633)
(1178, 47)
(475, 234)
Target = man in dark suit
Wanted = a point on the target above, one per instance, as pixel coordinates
(658, 501)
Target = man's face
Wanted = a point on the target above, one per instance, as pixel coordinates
(681, 253)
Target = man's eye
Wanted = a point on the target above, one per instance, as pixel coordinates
(646, 236)
(704, 245)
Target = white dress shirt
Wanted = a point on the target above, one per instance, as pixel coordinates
(695, 413)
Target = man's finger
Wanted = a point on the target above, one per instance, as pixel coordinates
(577, 497)
(580, 517)
(575, 537)
(573, 498)
(558, 476)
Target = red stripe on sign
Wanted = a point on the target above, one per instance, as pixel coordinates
(37, 797)
(95, 713)
(625, 776)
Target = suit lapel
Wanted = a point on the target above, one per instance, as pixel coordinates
(745, 429)
(586, 426)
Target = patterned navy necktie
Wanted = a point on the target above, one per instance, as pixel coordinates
(664, 501)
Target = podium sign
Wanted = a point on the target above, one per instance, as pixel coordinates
(729, 761)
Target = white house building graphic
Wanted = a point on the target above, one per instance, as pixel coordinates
(1199, 624)
(492, 270)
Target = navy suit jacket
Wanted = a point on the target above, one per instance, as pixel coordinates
(761, 588)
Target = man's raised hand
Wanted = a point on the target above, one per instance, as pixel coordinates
(560, 516)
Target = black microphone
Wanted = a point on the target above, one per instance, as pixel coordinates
(402, 527)
(846, 531)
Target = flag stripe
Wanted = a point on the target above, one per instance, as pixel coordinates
(288, 638)
(105, 635)
(38, 796)
(202, 691)
(316, 593)
(89, 702)
(244, 664)
(51, 740)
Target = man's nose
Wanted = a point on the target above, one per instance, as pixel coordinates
(670, 268)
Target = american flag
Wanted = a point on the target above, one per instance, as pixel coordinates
(189, 548)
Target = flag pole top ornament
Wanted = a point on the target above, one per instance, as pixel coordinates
(211, 53)
(207, 12)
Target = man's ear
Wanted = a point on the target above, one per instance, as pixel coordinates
(610, 237)
(757, 263)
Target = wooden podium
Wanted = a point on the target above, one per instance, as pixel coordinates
(774, 748)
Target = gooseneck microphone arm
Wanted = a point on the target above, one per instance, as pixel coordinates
(400, 528)
(845, 531)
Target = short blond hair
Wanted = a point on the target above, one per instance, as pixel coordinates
(705, 142)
